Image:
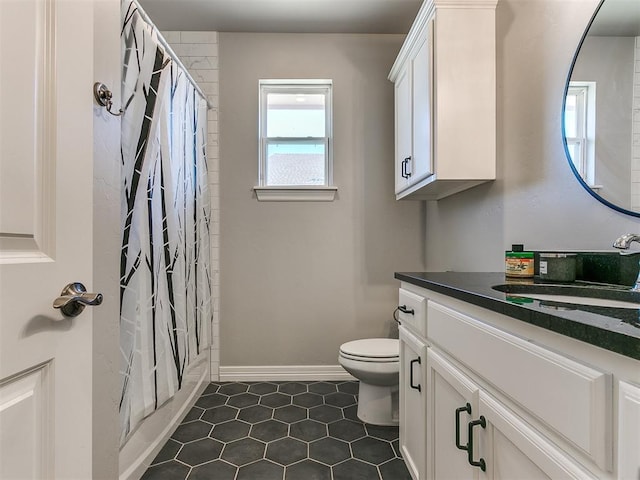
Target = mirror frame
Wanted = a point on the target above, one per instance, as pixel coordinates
(564, 135)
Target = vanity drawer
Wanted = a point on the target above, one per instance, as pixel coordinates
(567, 397)
(416, 306)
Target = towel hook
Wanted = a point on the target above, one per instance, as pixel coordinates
(103, 96)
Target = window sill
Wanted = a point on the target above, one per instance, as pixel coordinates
(296, 194)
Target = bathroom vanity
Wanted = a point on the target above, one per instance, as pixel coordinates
(495, 386)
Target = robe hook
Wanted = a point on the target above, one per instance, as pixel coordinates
(103, 96)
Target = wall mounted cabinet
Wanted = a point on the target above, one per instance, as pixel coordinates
(445, 116)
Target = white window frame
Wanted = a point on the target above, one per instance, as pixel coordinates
(266, 192)
(585, 140)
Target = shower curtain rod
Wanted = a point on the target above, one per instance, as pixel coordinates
(172, 54)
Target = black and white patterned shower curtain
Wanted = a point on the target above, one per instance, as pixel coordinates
(165, 284)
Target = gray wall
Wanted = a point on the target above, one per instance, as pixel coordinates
(106, 246)
(609, 61)
(535, 200)
(300, 278)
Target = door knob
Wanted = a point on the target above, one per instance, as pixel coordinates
(74, 298)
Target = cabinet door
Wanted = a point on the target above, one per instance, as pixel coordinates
(421, 160)
(453, 402)
(413, 425)
(512, 449)
(628, 431)
(403, 127)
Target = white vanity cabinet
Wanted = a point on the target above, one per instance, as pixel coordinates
(629, 431)
(445, 113)
(537, 404)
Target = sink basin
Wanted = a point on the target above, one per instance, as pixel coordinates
(574, 294)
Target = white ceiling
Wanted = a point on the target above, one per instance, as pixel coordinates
(284, 16)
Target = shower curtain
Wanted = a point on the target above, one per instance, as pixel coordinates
(165, 283)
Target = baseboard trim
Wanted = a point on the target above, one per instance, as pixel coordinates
(284, 373)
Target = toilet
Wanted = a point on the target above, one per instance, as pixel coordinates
(375, 362)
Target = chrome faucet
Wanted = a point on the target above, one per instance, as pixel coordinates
(623, 243)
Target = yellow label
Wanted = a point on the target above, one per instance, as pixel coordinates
(519, 267)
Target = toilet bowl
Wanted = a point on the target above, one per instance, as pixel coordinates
(375, 362)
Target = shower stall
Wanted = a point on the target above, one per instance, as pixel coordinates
(165, 267)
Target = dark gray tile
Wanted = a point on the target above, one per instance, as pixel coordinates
(347, 430)
(275, 400)
(396, 448)
(269, 430)
(286, 451)
(372, 450)
(210, 401)
(349, 387)
(383, 433)
(255, 414)
(217, 469)
(308, 470)
(262, 388)
(351, 413)
(243, 400)
(229, 431)
(242, 452)
(292, 388)
(200, 451)
(194, 414)
(224, 413)
(260, 431)
(188, 432)
(308, 430)
(307, 400)
(211, 388)
(394, 470)
(322, 388)
(168, 452)
(339, 399)
(233, 388)
(261, 470)
(290, 413)
(171, 470)
(325, 413)
(329, 450)
(354, 470)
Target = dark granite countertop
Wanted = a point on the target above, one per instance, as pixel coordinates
(614, 329)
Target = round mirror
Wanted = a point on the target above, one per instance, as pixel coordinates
(601, 126)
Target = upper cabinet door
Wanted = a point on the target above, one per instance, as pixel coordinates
(422, 165)
(403, 128)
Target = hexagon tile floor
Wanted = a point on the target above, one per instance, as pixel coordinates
(279, 431)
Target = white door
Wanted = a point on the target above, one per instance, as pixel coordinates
(403, 128)
(453, 403)
(46, 185)
(422, 162)
(413, 406)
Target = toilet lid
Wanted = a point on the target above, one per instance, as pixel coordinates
(372, 348)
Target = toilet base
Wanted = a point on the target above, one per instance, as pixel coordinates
(378, 405)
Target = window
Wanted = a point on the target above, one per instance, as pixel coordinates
(579, 128)
(295, 140)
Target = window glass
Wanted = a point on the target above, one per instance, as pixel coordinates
(295, 115)
(295, 133)
(296, 163)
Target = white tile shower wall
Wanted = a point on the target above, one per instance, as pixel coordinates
(198, 51)
(635, 131)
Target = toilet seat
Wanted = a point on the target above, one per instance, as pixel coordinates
(380, 350)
